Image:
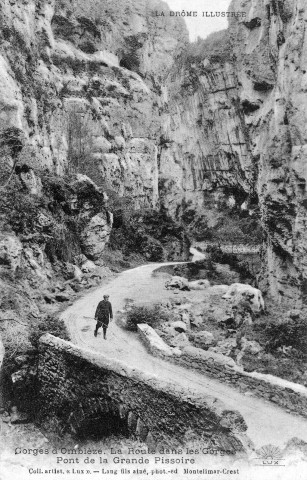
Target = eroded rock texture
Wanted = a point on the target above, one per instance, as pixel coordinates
(236, 124)
(109, 90)
(83, 80)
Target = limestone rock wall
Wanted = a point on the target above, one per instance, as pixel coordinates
(114, 92)
(272, 67)
(82, 80)
(236, 124)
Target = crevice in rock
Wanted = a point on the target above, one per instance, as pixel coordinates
(253, 23)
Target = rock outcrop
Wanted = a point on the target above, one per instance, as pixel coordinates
(116, 93)
(234, 127)
(83, 81)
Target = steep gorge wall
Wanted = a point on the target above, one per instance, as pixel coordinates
(113, 91)
(272, 70)
(83, 80)
(236, 125)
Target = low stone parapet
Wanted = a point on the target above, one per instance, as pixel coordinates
(286, 394)
(154, 342)
(82, 390)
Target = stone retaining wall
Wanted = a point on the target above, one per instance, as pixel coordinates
(81, 391)
(286, 394)
(229, 248)
(260, 385)
(154, 342)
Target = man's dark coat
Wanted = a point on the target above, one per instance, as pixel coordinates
(104, 312)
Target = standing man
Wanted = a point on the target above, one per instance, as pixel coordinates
(103, 315)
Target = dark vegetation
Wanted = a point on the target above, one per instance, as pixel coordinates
(50, 324)
(51, 223)
(202, 58)
(150, 233)
(242, 268)
(56, 218)
(282, 334)
(225, 224)
(216, 48)
(152, 315)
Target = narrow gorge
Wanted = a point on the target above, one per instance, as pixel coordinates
(123, 143)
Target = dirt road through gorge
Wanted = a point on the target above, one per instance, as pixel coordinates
(267, 423)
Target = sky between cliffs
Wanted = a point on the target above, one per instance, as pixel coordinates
(200, 26)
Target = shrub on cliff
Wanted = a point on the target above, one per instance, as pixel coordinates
(20, 209)
(150, 233)
(49, 324)
(216, 255)
(287, 332)
(141, 314)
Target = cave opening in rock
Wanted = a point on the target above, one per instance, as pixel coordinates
(101, 425)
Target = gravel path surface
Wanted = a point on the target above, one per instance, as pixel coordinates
(267, 424)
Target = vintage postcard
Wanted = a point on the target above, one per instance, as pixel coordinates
(153, 239)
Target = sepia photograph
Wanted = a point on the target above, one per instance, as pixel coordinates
(153, 239)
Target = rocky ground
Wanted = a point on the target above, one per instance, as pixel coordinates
(197, 318)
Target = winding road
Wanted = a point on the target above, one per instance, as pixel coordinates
(267, 423)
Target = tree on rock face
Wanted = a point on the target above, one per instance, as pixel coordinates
(79, 139)
(13, 138)
(12, 141)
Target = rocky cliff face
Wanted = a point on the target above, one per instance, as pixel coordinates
(80, 106)
(116, 93)
(273, 77)
(83, 82)
(235, 126)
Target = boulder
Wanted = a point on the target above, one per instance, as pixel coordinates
(224, 347)
(96, 235)
(204, 338)
(62, 297)
(29, 180)
(35, 260)
(179, 326)
(185, 317)
(250, 346)
(197, 320)
(215, 313)
(120, 142)
(80, 259)
(177, 282)
(180, 341)
(10, 251)
(77, 273)
(199, 285)
(238, 290)
(88, 266)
